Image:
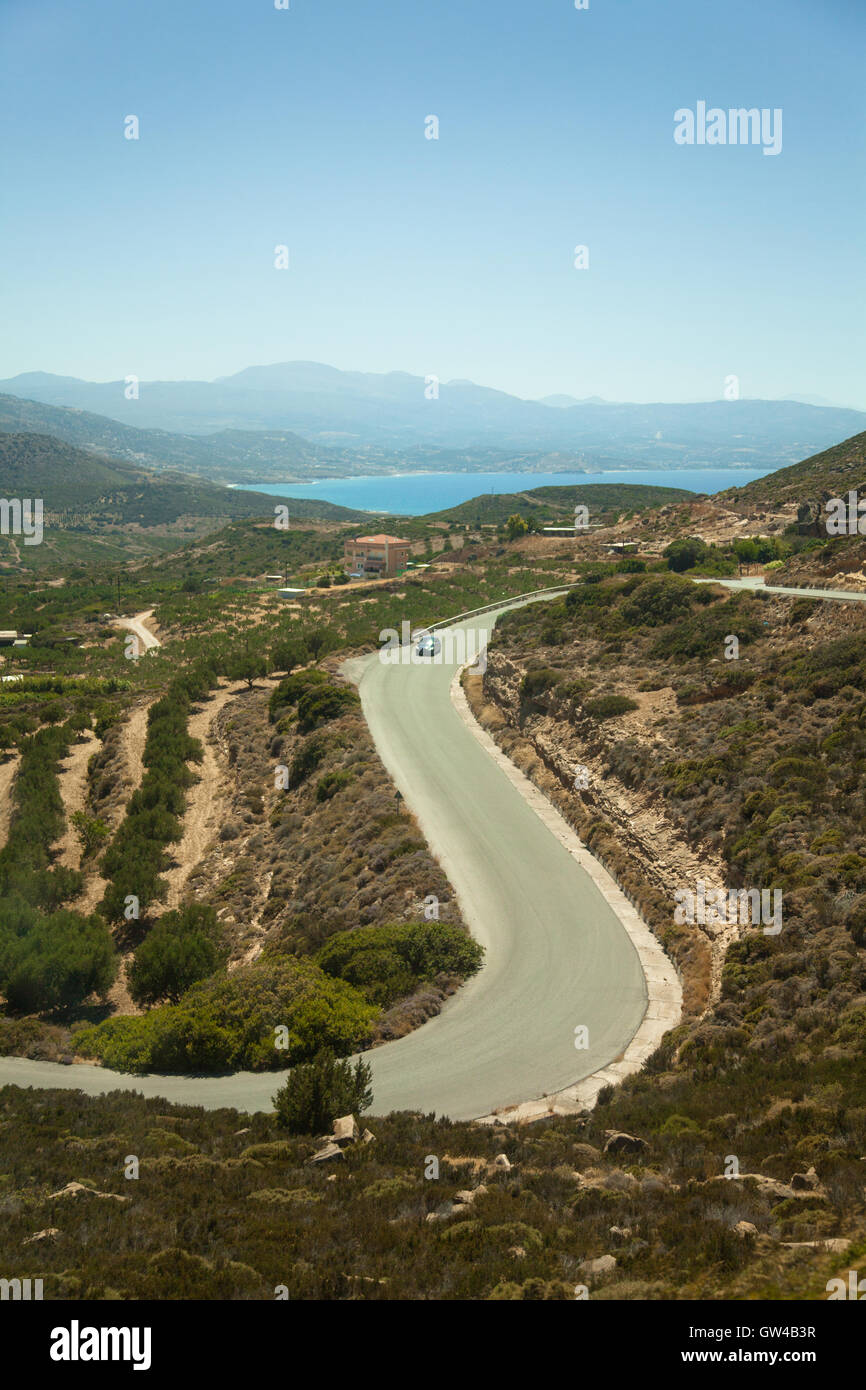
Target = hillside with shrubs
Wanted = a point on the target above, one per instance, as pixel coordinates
(319, 905)
(754, 772)
(230, 1206)
(731, 1165)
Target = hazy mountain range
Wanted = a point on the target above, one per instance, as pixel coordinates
(304, 420)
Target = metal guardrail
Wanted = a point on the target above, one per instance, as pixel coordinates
(503, 603)
(488, 608)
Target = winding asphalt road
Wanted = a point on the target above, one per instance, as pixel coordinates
(557, 955)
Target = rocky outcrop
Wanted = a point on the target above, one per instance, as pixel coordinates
(811, 518)
(329, 1153)
(619, 1143)
(806, 1182)
(345, 1130)
(344, 1134)
(462, 1203)
(50, 1234)
(597, 1269)
(79, 1189)
(770, 1188)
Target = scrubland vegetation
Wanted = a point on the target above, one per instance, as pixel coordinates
(196, 1015)
(310, 911)
(226, 1207)
(761, 760)
(50, 957)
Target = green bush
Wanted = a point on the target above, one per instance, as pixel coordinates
(317, 1092)
(658, 601)
(320, 706)
(331, 783)
(704, 633)
(306, 759)
(609, 706)
(387, 963)
(685, 552)
(57, 963)
(573, 689)
(534, 683)
(183, 948)
(91, 831)
(228, 1023)
(588, 595)
(290, 690)
(802, 609)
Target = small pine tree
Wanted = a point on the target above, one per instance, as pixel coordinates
(316, 1092)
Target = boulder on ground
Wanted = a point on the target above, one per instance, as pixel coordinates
(605, 1264)
(620, 1143)
(769, 1187)
(467, 1196)
(50, 1233)
(78, 1189)
(620, 1232)
(345, 1130)
(327, 1154)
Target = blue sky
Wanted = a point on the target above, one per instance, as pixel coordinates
(305, 127)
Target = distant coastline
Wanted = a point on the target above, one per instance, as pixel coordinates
(416, 493)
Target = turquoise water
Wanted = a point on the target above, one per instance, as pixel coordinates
(412, 494)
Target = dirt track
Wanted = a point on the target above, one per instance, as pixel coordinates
(7, 778)
(72, 776)
(207, 801)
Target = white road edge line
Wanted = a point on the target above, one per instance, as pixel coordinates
(664, 989)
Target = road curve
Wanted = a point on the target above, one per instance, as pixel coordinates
(557, 955)
(758, 585)
(136, 625)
